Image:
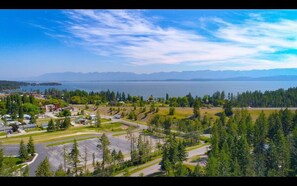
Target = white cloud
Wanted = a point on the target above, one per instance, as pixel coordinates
(130, 35)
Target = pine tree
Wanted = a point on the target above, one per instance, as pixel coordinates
(21, 112)
(120, 157)
(98, 119)
(31, 146)
(86, 158)
(181, 170)
(104, 146)
(236, 169)
(65, 157)
(196, 108)
(66, 123)
(224, 161)
(287, 121)
(228, 108)
(74, 158)
(60, 172)
(51, 126)
(198, 171)
(43, 169)
(23, 153)
(26, 171)
(260, 143)
(93, 162)
(212, 167)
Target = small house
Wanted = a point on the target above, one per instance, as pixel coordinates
(117, 116)
(50, 108)
(92, 116)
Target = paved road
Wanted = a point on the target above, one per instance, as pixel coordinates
(13, 150)
(157, 168)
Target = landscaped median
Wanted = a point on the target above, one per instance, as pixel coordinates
(137, 168)
(18, 167)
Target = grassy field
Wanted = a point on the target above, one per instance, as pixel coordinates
(71, 141)
(180, 113)
(15, 160)
(104, 120)
(34, 129)
(58, 135)
(40, 121)
(2, 133)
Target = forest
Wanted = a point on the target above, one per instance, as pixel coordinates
(277, 98)
(11, 85)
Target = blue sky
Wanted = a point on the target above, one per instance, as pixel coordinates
(34, 42)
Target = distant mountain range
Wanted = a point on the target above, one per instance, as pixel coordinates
(203, 75)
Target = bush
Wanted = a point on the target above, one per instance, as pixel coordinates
(171, 111)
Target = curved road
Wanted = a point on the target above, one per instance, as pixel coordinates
(157, 168)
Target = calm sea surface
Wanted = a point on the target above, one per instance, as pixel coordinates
(173, 88)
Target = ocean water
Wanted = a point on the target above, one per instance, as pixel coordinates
(173, 88)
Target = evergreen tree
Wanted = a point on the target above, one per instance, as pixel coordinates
(93, 162)
(60, 172)
(74, 158)
(228, 108)
(43, 169)
(21, 112)
(51, 126)
(1, 159)
(98, 119)
(198, 171)
(196, 108)
(104, 146)
(31, 146)
(181, 170)
(23, 153)
(287, 121)
(224, 161)
(236, 169)
(66, 123)
(212, 167)
(120, 157)
(171, 111)
(26, 171)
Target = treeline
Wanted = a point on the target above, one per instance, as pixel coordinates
(45, 84)
(83, 97)
(11, 85)
(266, 147)
(17, 105)
(277, 98)
(58, 124)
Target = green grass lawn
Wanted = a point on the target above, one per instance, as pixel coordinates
(195, 159)
(40, 121)
(191, 167)
(34, 129)
(3, 133)
(57, 135)
(71, 141)
(196, 146)
(15, 160)
(104, 120)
